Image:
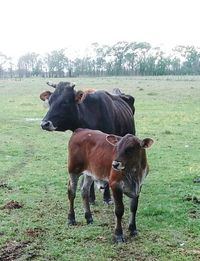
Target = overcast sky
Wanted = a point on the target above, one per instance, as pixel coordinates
(45, 25)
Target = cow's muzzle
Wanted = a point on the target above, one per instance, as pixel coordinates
(47, 125)
(117, 165)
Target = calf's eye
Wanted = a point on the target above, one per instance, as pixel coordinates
(129, 151)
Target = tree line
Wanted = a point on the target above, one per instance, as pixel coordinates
(121, 59)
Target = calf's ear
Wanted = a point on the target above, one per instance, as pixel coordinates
(112, 139)
(45, 95)
(79, 96)
(146, 143)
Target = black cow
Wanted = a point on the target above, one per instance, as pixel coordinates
(98, 110)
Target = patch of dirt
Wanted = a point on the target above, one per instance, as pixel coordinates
(12, 205)
(196, 180)
(104, 225)
(6, 186)
(194, 252)
(193, 214)
(13, 250)
(194, 199)
(34, 232)
(100, 238)
(96, 211)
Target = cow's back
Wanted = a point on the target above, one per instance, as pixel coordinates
(107, 113)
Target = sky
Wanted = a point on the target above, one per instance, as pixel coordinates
(44, 25)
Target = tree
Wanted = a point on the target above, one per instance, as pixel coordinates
(117, 52)
(136, 57)
(28, 65)
(191, 59)
(122, 58)
(57, 62)
(3, 59)
(101, 58)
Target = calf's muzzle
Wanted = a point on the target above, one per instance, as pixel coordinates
(117, 165)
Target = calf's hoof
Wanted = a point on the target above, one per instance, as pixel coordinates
(72, 222)
(88, 218)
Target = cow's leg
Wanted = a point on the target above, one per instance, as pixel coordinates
(119, 211)
(72, 185)
(132, 223)
(92, 194)
(106, 195)
(85, 189)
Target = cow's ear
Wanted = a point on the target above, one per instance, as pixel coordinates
(79, 96)
(45, 95)
(112, 139)
(146, 143)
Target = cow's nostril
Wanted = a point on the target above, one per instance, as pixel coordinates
(45, 124)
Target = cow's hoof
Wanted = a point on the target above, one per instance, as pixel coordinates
(119, 239)
(72, 222)
(108, 202)
(133, 233)
(89, 221)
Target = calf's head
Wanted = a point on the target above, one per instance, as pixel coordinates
(62, 113)
(131, 163)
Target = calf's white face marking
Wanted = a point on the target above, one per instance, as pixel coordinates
(117, 165)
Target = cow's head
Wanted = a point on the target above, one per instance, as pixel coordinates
(131, 162)
(62, 114)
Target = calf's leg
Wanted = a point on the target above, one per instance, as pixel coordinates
(119, 211)
(85, 189)
(72, 185)
(92, 197)
(132, 222)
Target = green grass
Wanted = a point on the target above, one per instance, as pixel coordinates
(33, 172)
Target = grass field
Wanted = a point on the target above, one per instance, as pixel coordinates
(33, 177)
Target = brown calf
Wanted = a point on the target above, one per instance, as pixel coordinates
(121, 161)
